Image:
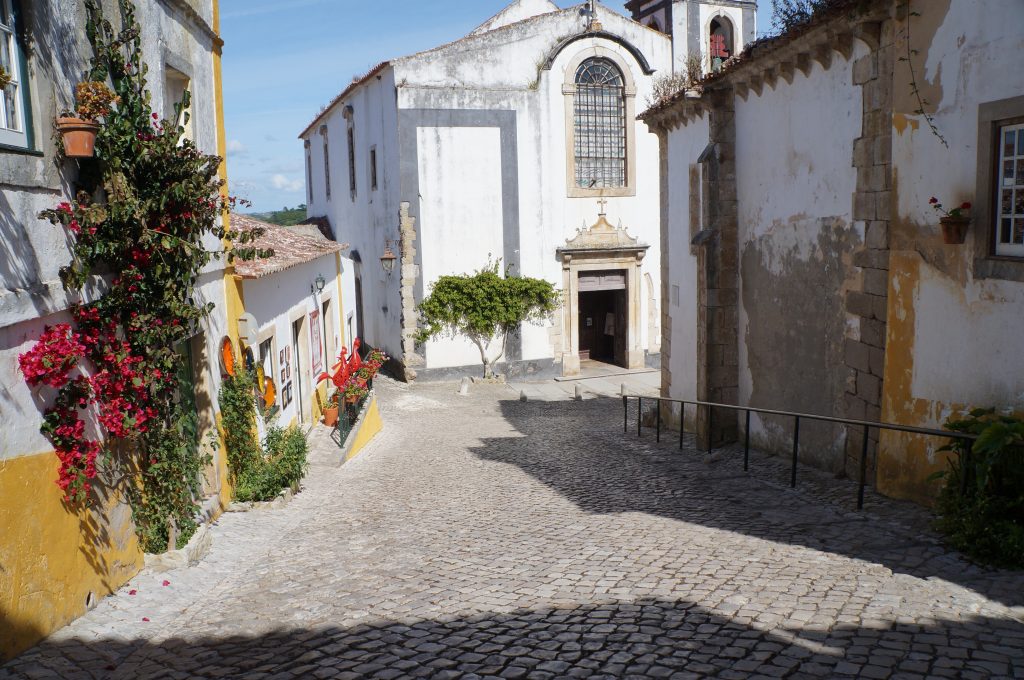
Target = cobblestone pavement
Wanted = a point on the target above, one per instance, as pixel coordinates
(485, 537)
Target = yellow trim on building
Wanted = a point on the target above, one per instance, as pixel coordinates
(52, 560)
(369, 428)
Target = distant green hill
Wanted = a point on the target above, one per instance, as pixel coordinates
(286, 217)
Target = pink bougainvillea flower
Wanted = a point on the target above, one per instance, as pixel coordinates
(133, 592)
(146, 619)
(933, 200)
(166, 583)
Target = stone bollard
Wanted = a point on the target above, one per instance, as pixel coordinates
(623, 392)
(579, 393)
(464, 387)
(522, 396)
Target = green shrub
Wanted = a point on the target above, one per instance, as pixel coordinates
(282, 465)
(981, 507)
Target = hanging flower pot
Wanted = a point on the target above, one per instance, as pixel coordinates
(79, 136)
(954, 230)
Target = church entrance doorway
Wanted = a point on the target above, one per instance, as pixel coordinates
(603, 319)
(602, 306)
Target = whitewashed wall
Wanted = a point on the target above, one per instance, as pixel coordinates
(958, 313)
(685, 145)
(279, 299)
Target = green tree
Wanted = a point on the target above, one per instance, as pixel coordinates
(485, 307)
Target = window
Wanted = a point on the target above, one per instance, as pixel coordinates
(327, 162)
(352, 160)
(15, 120)
(1010, 192)
(309, 172)
(600, 125)
(176, 84)
(373, 168)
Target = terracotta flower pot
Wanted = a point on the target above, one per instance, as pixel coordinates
(954, 230)
(79, 136)
(330, 416)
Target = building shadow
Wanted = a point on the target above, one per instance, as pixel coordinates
(646, 639)
(608, 471)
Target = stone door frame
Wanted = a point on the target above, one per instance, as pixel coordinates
(577, 261)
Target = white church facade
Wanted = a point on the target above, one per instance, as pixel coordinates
(518, 142)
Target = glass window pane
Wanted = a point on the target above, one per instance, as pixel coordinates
(1020, 170)
(1020, 144)
(1004, 234)
(5, 12)
(1008, 172)
(1018, 205)
(1018, 231)
(1007, 201)
(1009, 143)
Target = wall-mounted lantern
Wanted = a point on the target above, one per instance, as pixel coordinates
(388, 259)
(318, 284)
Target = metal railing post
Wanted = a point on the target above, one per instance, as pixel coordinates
(746, 445)
(639, 416)
(657, 436)
(682, 423)
(625, 414)
(796, 452)
(863, 469)
(711, 429)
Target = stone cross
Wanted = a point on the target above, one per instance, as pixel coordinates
(603, 202)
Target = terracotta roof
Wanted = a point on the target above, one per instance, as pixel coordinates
(291, 247)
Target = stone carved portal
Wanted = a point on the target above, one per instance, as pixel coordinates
(601, 281)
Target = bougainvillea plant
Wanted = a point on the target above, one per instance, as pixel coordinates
(137, 224)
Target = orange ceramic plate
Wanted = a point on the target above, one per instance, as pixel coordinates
(269, 392)
(227, 356)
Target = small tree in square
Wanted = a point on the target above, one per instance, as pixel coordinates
(485, 307)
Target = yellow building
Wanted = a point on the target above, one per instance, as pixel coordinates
(55, 564)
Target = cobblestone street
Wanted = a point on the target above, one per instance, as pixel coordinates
(482, 536)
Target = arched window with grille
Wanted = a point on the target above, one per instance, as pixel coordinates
(600, 125)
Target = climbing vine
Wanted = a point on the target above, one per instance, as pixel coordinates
(142, 208)
(915, 88)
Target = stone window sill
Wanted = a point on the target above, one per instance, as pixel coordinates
(994, 267)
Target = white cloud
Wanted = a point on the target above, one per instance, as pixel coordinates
(282, 183)
(236, 148)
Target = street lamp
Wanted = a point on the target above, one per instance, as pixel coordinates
(319, 284)
(388, 259)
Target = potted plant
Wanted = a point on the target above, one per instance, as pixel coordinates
(331, 412)
(78, 129)
(5, 78)
(954, 222)
(354, 392)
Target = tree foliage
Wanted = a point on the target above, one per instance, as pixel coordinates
(788, 14)
(485, 307)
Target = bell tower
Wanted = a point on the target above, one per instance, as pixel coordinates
(709, 30)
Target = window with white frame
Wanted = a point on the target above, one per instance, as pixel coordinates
(351, 159)
(1010, 192)
(14, 112)
(600, 125)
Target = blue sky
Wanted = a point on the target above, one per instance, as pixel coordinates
(284, 60)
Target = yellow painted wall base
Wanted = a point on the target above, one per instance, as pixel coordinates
(368, 429)
(52, 559)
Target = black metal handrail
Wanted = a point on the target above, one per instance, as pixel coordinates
(867, 425)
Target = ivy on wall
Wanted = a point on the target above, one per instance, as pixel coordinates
(142, 208)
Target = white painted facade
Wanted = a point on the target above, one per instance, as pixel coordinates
(279, 301)
(474, 136)
(34, 251)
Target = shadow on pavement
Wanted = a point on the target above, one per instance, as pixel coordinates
(602, 470)
(646, 639)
